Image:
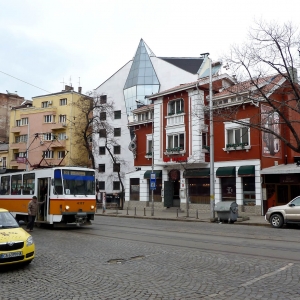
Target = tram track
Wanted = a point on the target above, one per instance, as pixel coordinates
(195, 241)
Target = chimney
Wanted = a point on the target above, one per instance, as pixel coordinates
(68, 88)
(79, 89)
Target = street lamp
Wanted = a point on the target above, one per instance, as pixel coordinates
(152, 165)
(211, 147)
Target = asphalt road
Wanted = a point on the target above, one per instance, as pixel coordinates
(121, 258)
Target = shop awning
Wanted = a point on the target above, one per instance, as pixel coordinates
(246, 171)
(225, 172)
(281, 169)
(158, 174)
(196, 173)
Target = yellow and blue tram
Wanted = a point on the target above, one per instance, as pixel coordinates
(68, 192)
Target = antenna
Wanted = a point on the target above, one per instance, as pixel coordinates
(63, 82)
(70, 81)
(78, 81)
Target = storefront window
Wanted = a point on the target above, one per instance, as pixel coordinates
(156, 192)
(134, 189)
(249, 191)
(228, 188)
(199, 190)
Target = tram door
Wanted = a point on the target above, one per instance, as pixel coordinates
(44, 185)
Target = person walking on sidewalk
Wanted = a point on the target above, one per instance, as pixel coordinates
(32, 211)
(104, 202)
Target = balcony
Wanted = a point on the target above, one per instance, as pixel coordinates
(175, 119)
(15, 129)
(58, 126)
(175, 150)
(58, 144)
(18, 146)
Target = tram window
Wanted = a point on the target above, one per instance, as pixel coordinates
(5, 185)
(16, 183)
(28, 183)
(57, 189)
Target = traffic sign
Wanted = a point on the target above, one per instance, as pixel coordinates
(152, 181)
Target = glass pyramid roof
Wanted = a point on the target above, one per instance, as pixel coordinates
(142, 71)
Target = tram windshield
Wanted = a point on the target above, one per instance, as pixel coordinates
(74, 182)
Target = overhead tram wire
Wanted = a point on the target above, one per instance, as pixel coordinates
(25, 82)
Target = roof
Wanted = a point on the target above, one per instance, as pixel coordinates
(268, 84)
(200, 82)
(281, 169)
(189, 64)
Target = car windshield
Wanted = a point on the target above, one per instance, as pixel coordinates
(7, 221)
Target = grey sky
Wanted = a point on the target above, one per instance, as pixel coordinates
(47, 42)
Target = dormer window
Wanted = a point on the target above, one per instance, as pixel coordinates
(175, 107)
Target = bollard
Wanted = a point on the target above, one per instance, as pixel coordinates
(144, 211)
(135, 211)
(127, 210)
(177, 212)
(197, 214)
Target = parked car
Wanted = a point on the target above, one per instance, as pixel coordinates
(289, 213)
(16, 245)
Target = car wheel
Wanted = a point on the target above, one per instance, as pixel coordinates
(276, 221)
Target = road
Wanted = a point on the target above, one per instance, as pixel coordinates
(125, 258)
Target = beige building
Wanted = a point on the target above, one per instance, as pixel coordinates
(44, 134)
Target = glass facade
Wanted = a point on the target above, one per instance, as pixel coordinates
(141, 80)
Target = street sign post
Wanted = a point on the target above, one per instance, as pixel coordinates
(152, 181)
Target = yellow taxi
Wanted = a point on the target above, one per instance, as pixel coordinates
(16, 245)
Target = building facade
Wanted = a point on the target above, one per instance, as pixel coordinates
(145, 74)
(43, 134)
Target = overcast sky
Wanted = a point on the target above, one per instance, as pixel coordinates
(45, 43)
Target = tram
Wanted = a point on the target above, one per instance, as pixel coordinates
(68, 192)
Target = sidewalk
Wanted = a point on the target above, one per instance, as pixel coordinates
(178, 216)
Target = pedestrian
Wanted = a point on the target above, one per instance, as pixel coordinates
(104, 202)
(32, 211)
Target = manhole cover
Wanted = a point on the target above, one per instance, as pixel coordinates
(116, 261)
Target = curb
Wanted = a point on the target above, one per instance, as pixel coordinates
(180, 219)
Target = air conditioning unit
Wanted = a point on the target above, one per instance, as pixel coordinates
(66, 137)
(0, 159)
(50, 102)
(64, 124)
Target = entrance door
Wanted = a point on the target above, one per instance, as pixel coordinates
(282, 194)
(176, 196)
(43, 195)
(168, 193)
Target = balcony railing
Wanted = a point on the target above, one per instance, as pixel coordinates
(175, 119)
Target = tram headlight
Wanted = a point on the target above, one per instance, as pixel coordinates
(67, 207)
(92, 206)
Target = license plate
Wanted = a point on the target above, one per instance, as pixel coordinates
(11, 254)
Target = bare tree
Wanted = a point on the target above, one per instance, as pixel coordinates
(266, 71)
(94, 114)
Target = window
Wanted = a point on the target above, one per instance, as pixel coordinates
(45, 104)
(204, 139)
(117, 114)
(101, 185)
(16, 183)
(176, 141)
(102, 133)
(62, 136)
(175, 107)
(48, 154)
(22, 154)
(61, 154)
(103, 116)
(48, 136)
(62, 118)
(5, 185)
(49, 119)
(4, 162)
(249, 190)
(101, 168)
(237, 136)
(149, 147)
(63, 102)
(103, 99)
(28, 184)
(21, 138)
(102, 150)
(116, 167)
(117, 131)
(116, 185)
(117, 149)
(24, 121)
(18, 123)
